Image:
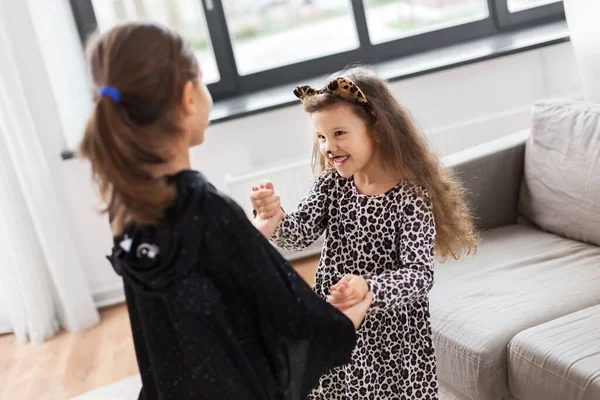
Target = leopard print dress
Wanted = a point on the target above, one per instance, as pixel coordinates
(387, 239)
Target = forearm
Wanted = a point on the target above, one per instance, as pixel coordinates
(396, 289)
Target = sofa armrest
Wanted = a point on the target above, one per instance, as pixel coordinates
(492, 174)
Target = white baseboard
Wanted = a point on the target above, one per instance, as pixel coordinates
(109, 296)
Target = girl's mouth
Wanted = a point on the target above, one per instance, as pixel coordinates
(340, 160)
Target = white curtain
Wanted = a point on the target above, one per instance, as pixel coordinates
(582, 19)
(42, 282)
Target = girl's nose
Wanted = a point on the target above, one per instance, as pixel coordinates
(330, 148)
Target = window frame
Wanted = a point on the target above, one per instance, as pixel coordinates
(231, 83)
(530, 16)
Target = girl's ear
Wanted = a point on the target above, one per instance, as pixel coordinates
(374, 136)
(188, 101)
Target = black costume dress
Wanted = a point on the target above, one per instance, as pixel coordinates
(216, 312)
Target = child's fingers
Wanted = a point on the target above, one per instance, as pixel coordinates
(340, 297)
(265, 201)
(272, 208)
(266, 215)
(261, 190)
(346, 304)
(266, 185)
(268, 206)
(343, 287)
(343, 291)
(337, 296)
(340, 285)
(273, 202)
(262, 194)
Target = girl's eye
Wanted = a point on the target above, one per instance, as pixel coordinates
(320, 137)
(339, 133)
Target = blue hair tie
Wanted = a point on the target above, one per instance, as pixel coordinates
(111, 92)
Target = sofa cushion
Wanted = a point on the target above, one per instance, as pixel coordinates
(557, 360)
(560, 192)
(519, 278)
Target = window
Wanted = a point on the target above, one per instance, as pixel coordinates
(391, 19)
(185, 16)
(266, 34)
(518, 13)
(247, 45)
(519, 5)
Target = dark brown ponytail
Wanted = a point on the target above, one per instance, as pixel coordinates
(149, 66)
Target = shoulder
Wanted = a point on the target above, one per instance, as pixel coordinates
(200, 203)
(414, 194)
(221, 209)
(329, 181)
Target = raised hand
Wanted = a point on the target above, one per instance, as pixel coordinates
(264, 200)
(267, 207)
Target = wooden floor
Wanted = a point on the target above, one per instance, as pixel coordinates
(70, 364)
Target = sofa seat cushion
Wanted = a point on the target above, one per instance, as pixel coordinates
(557, 360)
(519, 278)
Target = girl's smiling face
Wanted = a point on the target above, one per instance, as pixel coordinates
(343, 138)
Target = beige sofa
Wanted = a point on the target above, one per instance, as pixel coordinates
(521, 318)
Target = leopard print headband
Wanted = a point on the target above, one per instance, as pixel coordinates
(342, 87)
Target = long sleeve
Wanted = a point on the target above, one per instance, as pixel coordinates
(414, 277)
(314, 336)
(303, 227)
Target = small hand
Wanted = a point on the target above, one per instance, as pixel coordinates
(265, 202)
(268, 209)
(349, 291)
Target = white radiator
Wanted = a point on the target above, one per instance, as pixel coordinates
(292, 182)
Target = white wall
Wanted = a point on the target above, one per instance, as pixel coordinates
(457, 108)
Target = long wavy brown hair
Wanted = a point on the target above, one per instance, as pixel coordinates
(404, 148)
(149, 65)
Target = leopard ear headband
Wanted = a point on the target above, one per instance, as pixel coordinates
(342, 87)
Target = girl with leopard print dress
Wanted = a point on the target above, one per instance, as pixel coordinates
(386, 207)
